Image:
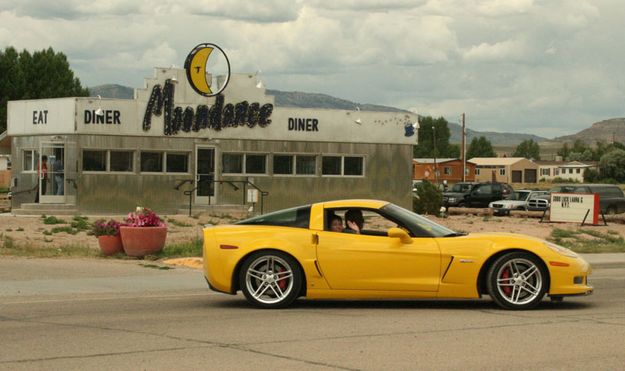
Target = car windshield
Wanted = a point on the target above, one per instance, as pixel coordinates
(419, 225)
(519, 196)
(460, 187)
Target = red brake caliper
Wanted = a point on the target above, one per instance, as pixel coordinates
(506, 289)
(281, 283)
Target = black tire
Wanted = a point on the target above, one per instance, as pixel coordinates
(270, 279)
(461, 204)
(611, 210)
(508, 285)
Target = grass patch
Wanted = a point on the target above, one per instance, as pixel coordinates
(182, 250)
(589, 240)
(177, 223)
(52, 220)
(81, 223)
(20, 229)
(9, 248)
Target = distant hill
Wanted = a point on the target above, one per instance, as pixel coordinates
(606, 131)
(316, 100)
(500, 139)
(112, 91)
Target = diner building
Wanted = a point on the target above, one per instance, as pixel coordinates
(171, 147)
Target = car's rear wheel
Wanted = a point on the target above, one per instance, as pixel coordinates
(270, 279)
(517, 280)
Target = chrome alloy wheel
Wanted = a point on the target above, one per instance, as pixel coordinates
(269, 279)
(519, 281)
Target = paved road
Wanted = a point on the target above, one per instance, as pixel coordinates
(109, 314)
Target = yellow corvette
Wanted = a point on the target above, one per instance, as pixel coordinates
(392, 253)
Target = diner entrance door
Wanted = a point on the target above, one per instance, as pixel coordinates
(204, 175)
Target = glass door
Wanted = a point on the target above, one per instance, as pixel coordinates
(51, 172)
(204, 175)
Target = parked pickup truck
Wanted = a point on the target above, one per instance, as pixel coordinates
(519, 200)
(611, 198)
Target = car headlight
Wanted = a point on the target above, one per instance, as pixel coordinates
(561, 250)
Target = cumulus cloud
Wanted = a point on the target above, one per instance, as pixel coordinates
(508, 50)
(511, 65)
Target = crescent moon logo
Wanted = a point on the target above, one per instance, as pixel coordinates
(208, 69)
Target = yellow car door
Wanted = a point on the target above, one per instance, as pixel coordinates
(365, 262)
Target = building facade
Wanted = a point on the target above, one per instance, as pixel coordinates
(505, 170)
(170, 146)
(449, 169)
(571, 171)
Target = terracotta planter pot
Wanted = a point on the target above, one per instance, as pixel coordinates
(110, 244)
(142, 241)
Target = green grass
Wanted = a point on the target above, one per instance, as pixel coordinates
(9, 248)
(589, 240)
(52, 220)
(177, 223)
(182, 250)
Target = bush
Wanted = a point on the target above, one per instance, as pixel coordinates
(428, 199)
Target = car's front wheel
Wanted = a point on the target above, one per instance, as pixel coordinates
(517, 280)
(270, 279)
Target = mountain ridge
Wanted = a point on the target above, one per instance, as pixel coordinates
(604, 130)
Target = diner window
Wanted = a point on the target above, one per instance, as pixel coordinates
(152, 162)
(177, 162)
(122, 161)
(353, 165)
(305, 165)
(232, 163)
(29, 160)
(331, 165)
(243, 163)
(342, 165)
(283, 165)
(255, 164)
(93, 160)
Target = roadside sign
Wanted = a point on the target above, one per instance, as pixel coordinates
(575, 207)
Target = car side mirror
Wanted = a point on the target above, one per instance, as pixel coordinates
(401, 234)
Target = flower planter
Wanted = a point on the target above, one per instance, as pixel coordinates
(142, 241)
(110, 245)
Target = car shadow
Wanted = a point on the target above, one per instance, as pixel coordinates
(459, 304)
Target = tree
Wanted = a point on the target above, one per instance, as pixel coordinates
(480, 147)
(430, 129)
(44, 74)
(612, 166)
(528, 149)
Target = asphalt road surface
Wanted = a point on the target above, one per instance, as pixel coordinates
(130, 315)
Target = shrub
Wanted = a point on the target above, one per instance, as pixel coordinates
(428, 199)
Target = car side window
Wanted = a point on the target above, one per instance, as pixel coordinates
(375, 224)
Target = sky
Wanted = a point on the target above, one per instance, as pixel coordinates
(544, 67)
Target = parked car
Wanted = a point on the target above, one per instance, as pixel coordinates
(483, 194)
(397, 254)
(519, 200)
(455, 195)
(611, 198)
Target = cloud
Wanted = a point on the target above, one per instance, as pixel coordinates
(508, 50)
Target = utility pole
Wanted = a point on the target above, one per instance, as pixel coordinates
(434, 152)
(464, 151)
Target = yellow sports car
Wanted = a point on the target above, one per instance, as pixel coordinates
(367, 249)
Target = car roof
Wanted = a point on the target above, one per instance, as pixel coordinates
(364, 203)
